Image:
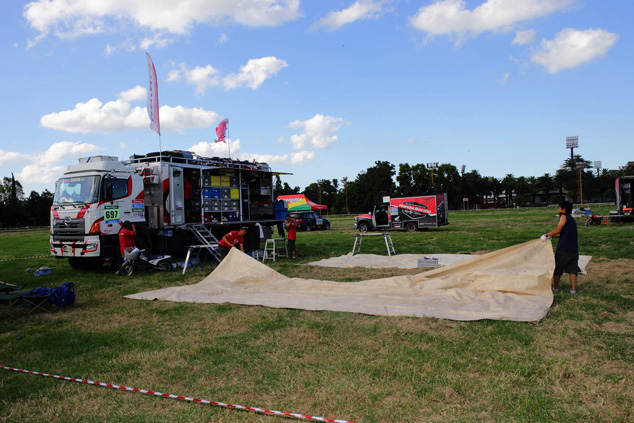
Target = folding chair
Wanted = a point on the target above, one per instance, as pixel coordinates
(9, 287)
(40, 298)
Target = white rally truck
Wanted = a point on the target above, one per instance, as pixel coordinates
(166, 195)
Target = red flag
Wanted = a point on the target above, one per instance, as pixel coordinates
(221, 130)
(152, 97)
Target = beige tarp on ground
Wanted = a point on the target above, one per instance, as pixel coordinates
(508, 284)
(404, 261)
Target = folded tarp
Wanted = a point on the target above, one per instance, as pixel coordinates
(405, 261)
(508, 284)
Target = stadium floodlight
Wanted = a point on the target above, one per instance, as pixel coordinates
(572, 142)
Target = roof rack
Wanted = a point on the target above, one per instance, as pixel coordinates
(187, 157)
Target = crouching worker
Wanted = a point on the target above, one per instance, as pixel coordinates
(232, 239)
(126, 243)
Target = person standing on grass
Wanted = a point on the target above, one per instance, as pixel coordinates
(232, 239)
(291, 227)
(567, 254)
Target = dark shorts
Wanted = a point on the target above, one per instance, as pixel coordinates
(223, 251)
(566, 262)
(291, 244)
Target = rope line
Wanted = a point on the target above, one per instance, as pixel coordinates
(180, 397)
(24, 258)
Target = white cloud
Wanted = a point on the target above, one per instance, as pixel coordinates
(202, 77)
(450, 17)
(571, 48)
(216, 149)
(136, 93)
(221, 149)
(318, 131)
(44, 167)
(254, 73)
(75, 18)
(361, 9)
(302, 157)
(524, 37)
(222, 39)
(251, 75)
(179, 118)
(119, 115)
(9, 156)
(505, 78)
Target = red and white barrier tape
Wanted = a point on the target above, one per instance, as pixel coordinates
(160, 394)
(24, 258)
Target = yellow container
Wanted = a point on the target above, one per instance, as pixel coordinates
(215, 181)
(235, 193)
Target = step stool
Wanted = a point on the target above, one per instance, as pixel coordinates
(272, 249)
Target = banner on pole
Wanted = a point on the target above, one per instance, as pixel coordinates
(221, 131)
(152, 97)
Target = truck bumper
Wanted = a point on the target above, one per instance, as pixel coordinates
(90, 246)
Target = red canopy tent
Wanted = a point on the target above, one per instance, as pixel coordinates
(296, 202)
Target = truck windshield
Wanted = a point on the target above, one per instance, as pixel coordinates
(81, 189)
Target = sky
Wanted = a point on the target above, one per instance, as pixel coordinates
(319, 89)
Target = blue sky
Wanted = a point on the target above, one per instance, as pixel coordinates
(320, 89)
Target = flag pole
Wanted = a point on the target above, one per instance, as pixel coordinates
(229, 142)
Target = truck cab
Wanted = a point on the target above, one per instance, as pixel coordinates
(89, 202)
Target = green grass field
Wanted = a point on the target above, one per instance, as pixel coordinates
(576, 365)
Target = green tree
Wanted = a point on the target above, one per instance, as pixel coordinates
(508, 183)
(369, 183)
(404, 177)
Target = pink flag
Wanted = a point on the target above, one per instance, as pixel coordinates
(152, 97)
(221, 130)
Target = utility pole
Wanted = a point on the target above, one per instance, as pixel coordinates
(345, 189)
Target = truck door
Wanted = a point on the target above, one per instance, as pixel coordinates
(177, 194)
(381, 216)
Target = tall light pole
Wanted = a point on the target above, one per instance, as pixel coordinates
(432, 166)
(580, 167)
(572, 143)
(319, 183)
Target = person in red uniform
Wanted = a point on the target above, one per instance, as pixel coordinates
(291, 227)
(126, 241)
(232, 239)
(126, 237)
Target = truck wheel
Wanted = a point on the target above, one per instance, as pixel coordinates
(326, 226)
(308, 227)
(363, 227)
(411, 226)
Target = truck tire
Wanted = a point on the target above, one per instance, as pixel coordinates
(363, 227)
(411, 226)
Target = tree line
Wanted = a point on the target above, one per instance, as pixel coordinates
(575, 177)
(16, 210)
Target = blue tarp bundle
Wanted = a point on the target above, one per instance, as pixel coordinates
(61, 296)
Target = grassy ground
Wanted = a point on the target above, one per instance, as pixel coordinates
(577, 364)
